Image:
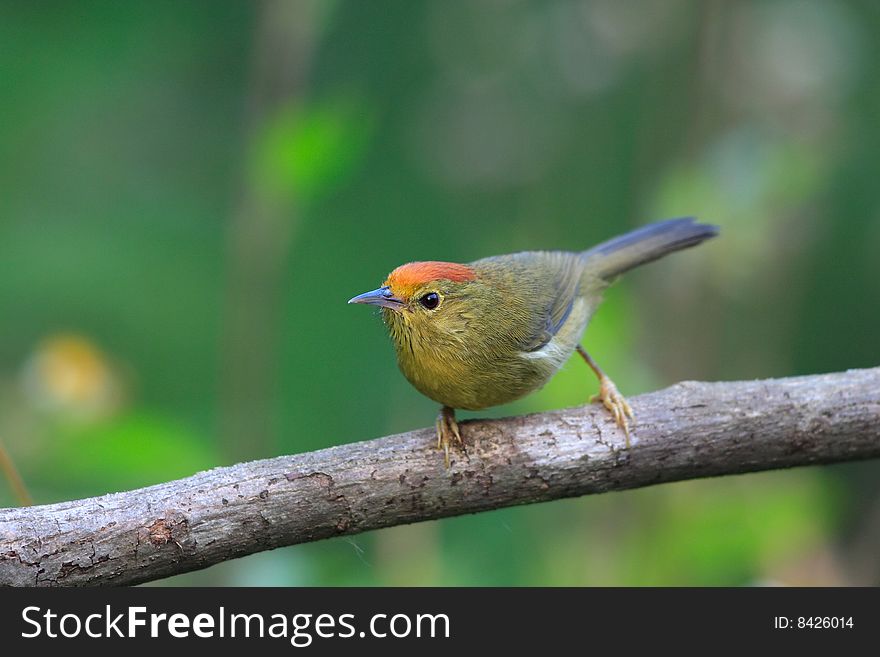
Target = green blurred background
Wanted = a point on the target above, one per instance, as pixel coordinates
(190, 192)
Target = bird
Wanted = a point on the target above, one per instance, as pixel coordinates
(472, 336)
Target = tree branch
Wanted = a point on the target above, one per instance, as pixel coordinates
(687, 431)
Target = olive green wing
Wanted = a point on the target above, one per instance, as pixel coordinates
(561, 290)
(542, 288)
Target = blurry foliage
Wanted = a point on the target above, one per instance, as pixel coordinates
(441, 130)
(135, 450)
(306, 152)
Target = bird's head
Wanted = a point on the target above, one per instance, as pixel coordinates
(424, 301)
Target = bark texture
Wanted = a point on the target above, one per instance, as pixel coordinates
(687, 431)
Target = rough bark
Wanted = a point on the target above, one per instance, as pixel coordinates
(687, 431)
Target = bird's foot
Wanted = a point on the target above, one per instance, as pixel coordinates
(447, 431)
(611, 398)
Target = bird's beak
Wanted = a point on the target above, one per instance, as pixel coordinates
(382, 297)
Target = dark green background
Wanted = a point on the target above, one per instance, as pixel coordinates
(190, 191)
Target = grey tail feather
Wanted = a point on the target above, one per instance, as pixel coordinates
(620, 254)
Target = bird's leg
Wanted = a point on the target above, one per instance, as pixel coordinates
(610, 396)
(447, 430)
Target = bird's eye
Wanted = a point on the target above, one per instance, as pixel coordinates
(430, 301)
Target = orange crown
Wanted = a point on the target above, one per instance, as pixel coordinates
(406, 278)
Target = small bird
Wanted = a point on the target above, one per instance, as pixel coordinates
(489, 332)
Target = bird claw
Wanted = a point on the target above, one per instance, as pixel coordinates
(447, 431)
(616, 403)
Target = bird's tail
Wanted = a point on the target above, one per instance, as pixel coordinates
(622, 253)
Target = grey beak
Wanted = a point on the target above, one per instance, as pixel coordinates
(381, 297)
